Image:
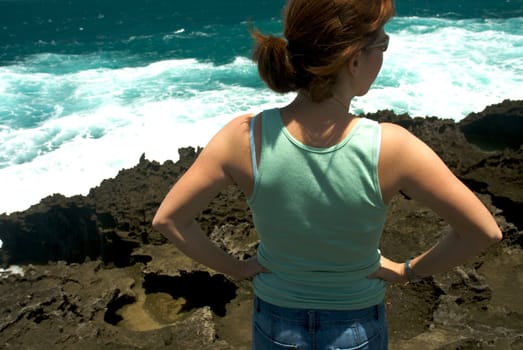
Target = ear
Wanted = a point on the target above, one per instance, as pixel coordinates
(354, 64)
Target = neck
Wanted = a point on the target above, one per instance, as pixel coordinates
(318, 124)
(321, 114)
(333, 103)
(341, 103)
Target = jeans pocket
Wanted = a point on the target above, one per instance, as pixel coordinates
(263, 341)
(359, 336)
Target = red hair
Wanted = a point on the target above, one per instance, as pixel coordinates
(321, 36)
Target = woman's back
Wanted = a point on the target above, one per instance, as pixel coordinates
(319, 215)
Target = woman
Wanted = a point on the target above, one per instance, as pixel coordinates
(318, 182)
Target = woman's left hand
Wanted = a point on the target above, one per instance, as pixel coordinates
(250, 268)
(390, 271)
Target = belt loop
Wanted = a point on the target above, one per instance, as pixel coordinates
(257, 304)
(377, 311)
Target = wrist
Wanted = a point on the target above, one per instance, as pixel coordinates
(409, 272)
(245, 269)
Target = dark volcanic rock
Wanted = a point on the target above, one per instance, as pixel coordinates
(102, 278)
(497, 127)
(109, 223)
(58, 228)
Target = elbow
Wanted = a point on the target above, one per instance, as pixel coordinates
(482, 238)
(168, 226)
(164, 225)
(160, 223)
(495, 235)
(156, 224)
(491, 236)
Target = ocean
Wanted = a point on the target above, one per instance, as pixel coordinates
(87, 87)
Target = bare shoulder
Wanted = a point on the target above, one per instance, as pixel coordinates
(394, 135)
(240, 121)
(396, 144)
(405, 148)
(236, 130)
(419, 172)
(231, 132)
(227, 151)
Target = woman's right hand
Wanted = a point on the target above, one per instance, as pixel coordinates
(390, 271)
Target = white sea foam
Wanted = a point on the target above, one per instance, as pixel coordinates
(447, 68)
(69, 154)
(11, 270)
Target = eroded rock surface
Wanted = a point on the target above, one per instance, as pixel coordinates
(97, 276)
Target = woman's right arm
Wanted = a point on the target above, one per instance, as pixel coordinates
(407, 164)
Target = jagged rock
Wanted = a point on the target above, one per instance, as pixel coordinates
(497, 127)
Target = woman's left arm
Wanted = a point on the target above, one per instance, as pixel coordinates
(175, 218)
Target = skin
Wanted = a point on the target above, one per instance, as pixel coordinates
(406, 164)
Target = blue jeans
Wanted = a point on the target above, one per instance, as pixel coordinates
(276, 328)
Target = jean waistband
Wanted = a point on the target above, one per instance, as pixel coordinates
(320, 315)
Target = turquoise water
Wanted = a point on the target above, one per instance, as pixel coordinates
(86, 87)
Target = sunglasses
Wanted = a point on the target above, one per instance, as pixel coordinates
(382, 45)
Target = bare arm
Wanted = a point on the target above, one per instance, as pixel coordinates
(192, 192)
(417, 171)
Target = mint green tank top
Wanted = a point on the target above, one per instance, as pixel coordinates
(319, 215)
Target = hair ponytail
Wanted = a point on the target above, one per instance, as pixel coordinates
(323, 35)
(274, 67)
